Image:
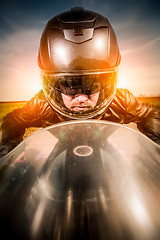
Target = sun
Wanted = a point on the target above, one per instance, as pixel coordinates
(36, 86)
(122, 82)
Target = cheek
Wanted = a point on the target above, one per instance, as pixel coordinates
(67, 100)
(94, 98)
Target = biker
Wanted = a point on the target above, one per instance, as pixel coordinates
(78, 58)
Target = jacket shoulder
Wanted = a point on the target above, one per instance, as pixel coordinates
(125, 99)
(40, 95)
(119, 99)
(122, 93)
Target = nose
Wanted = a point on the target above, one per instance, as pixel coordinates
(81, 98)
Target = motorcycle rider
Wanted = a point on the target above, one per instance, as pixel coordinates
(78, 58)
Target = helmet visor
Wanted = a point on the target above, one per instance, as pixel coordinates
(78, 95)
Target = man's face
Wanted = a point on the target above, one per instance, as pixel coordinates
(80, 102)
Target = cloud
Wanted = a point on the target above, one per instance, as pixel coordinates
(144, 46)
(18, 64)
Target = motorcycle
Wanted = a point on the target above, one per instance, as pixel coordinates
(88, 179)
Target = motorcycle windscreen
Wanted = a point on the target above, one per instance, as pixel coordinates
(85, 179)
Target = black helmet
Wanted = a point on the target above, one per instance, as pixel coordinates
(79, 54)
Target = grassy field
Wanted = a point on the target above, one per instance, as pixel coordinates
(155, 101)
(6, 107)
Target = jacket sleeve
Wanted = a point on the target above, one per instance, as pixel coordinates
(15, 122)
(147, 117)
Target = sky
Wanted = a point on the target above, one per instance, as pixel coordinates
(136, 24)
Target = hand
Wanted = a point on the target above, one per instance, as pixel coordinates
(4, 149)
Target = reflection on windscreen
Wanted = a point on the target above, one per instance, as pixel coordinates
(39, 147)
(120, 137)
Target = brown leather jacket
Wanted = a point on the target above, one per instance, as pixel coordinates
(125, 108)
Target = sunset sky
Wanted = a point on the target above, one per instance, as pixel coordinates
(136, 23)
